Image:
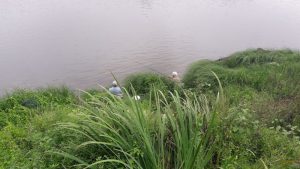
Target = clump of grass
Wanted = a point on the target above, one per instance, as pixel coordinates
(177, 134)
(199, 76)
(144, 82)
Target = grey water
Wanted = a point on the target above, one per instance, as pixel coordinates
(79, 42)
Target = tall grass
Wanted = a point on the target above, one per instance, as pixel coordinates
(175, 134)
(276, 72)
(260, 56)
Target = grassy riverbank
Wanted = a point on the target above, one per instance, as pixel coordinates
(251, 121)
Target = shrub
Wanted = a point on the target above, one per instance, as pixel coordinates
(28, 145)
(243, 139)
(21, 105)
(37, 98)
(10, 152)
(143, 82)
(199, 75)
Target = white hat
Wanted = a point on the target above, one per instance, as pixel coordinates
(115, 83)
(174, 74)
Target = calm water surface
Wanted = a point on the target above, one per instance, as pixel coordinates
(78, 42)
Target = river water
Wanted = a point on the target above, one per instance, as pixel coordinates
(79, 42)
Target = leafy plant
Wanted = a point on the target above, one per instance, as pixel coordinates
(178, 134)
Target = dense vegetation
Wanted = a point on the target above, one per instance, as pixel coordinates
(252, 120)
(143, 83)
(266, 82)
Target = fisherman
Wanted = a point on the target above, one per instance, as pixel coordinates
(115, 89)
(175, 77)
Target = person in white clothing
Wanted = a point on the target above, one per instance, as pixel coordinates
(115, 89)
